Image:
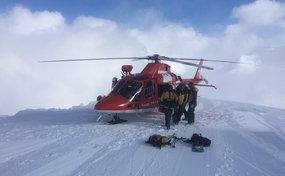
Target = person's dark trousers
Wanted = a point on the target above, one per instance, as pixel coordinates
(191, 113)
(185, 112)
(174, 116)
(179, 113)
(167, 112)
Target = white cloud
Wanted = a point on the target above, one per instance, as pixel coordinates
(21, 20)
(171, 39)
(260, 13)
(258, 28)
(27, 37)
(248, 66)
(94, 23)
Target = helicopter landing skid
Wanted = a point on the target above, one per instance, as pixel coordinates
(116, 119)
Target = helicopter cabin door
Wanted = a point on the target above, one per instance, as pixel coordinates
(149, 96)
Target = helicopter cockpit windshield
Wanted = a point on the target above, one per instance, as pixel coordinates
(130, 89)
(118, 86)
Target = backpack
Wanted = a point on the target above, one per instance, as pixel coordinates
(171, 99)
(157, 140)
(197, 139)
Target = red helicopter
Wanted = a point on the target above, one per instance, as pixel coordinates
(140, 92)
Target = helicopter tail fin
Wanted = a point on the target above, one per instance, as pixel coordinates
(198, 77)
(197, 74)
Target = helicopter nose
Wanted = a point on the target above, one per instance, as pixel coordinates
(112, 102)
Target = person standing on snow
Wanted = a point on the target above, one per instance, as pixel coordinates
(186, 97)
(192, 99)
(179, 110)
(168, 101)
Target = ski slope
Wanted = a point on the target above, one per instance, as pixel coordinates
(246, 140)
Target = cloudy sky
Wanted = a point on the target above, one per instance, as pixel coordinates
(31, 30)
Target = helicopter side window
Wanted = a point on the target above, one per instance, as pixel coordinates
(148, 90)
(117, 86)
(130, 89)
(167, 68)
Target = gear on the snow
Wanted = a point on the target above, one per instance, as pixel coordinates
(160, 141)
(113, 122)
(116, 119)
(197, 140)
(197, 148)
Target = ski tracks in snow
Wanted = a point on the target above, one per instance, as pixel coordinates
(253, 136)
(66, 149)
(58, 150)
(65, 165)
(97, 148)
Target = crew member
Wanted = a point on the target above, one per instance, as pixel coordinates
(168, 101)
(179, 110)
(114, 81)
(186, 97)
(192, 99)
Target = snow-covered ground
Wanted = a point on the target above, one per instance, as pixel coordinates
(246, 140)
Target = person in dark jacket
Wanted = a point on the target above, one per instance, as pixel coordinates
(178, 112)
(186, 97)
(168, 101)
(114, 81)
(192, 100)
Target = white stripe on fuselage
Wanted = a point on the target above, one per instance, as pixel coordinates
(127, 111)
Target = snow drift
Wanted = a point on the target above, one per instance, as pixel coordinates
(246, 140)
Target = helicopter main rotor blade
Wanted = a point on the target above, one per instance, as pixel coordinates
(214, 60)
(155, 58)
(91, 59)
(185, 63)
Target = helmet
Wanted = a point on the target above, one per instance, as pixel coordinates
(168, 86)
(190, 84)
(99, 98)
(180, 87)
(115, 79)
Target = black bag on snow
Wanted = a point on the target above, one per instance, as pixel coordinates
(197, 139)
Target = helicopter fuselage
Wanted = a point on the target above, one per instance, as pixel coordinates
(139, 92)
